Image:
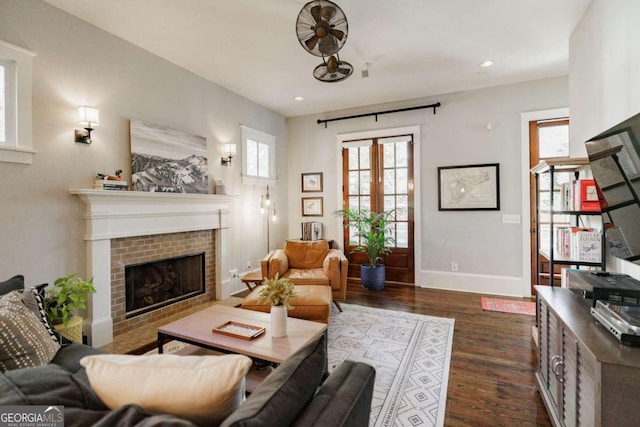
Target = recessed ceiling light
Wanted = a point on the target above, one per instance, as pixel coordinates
(298, 98)
(486, 64)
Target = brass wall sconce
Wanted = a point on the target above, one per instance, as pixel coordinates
(88, 118)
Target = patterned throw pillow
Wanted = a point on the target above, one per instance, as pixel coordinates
(24, 342)
(33, 298)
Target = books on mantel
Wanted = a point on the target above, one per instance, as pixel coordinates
(580, 244)
(110, 184)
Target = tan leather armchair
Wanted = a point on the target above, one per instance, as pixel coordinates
(307, 262)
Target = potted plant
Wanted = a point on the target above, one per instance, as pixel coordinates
(278, 291)
(62, 302)
(374, 239)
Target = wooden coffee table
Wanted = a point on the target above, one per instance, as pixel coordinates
(196, 329)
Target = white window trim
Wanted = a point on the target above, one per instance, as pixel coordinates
(265, 138)
(19, 148)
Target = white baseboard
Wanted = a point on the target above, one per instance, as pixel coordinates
(476, 283)
(99, 332)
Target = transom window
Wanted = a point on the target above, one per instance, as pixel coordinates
(258, 154)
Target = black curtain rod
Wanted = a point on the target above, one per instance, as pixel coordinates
(399, 110)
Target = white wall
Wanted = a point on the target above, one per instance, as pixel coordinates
(41, 225)
(604, 71)
(488, 252)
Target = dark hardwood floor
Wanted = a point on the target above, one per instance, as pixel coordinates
(491, 381)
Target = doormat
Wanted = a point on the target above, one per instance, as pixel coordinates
(509, 306)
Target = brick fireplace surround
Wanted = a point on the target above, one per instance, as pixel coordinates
(125, 227)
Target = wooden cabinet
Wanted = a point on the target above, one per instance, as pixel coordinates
(585, 376)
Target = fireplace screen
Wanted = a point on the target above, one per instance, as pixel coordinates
(156, 284)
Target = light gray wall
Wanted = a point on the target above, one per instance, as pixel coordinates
(486, 250)
(604, 86)
(41, 225)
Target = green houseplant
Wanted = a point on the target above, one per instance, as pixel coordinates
(62, 302)
(278, 292)
(373, 238)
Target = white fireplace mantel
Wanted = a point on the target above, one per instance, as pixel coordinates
(117, 214)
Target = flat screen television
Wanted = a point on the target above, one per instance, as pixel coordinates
(614, 156)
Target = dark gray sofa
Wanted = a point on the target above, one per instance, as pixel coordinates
(298, 393)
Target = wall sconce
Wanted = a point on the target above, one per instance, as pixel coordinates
(88, 118)
(230, 151)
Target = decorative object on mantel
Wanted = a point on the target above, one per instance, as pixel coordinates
(88, 118)
(322, 30)
(218, 187)
(278, 291)
(166, 160)
(110, 182)
(62, 302)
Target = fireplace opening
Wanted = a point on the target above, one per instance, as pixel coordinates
(152, 285)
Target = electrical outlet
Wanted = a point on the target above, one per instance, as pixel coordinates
(454, 266)
(233, 273)
(511, 219)
(248, 265)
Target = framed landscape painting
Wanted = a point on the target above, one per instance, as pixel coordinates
(469, 187)
(166, 160)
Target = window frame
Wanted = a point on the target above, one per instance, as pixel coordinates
(18, 63)
(262, 138)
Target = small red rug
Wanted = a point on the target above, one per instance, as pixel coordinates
(509, 306)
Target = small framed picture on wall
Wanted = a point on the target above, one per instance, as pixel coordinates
(312, 206)
(312, 182)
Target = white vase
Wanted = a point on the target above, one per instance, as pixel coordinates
(278, 321)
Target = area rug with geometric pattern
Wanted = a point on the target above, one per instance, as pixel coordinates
(411, 354)
(509, 306)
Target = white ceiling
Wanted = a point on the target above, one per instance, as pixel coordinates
(416, 48)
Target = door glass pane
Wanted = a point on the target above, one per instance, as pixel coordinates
(554, 141)
(389, 158)
(389, 181)
(402, 235)
(402, 203)
(401, 180)
(353, 158)
(365, 202)
(365, 182)
(354, 182)
(389, 202)
(365, 158)
(401, 154)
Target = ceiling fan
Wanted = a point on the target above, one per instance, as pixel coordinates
(322, 28)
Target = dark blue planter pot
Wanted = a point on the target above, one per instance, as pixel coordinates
(372, 277)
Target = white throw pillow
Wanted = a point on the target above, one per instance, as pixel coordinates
(202, 389)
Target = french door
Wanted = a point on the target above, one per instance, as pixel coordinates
(378, 176)
(547, 139)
